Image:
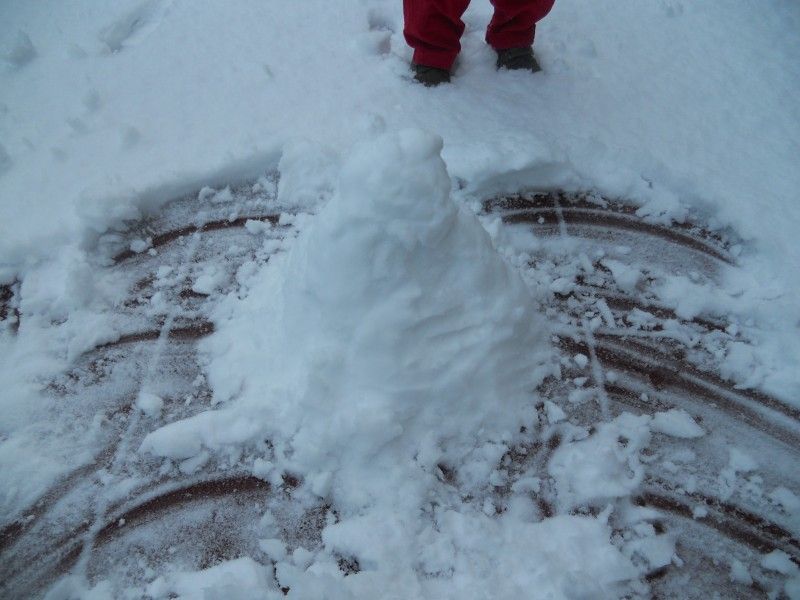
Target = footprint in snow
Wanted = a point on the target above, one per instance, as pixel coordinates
(135, 26)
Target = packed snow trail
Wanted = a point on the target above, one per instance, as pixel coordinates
(647, 501)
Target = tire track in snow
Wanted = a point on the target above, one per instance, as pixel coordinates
(653, 371)
(645, 361)
(121, 453)
(33, 555)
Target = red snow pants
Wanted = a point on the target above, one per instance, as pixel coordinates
(433, 28)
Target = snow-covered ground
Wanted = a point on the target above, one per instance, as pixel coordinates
(390, 354)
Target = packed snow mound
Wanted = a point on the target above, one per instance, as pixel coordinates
(391, 339)
(400, 299)
(392, 331)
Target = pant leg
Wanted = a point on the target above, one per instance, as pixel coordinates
(514, 22)
(433, 29)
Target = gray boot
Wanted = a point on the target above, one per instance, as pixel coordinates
(518, 59)
(430, 76)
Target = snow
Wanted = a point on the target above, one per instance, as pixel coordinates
(257, 227)
(677, 423)
(209, 280)
(581, 360)
(274, 548)
(149, 404)
(603, 466)
(240, 579)
(786, 499)
(781, 562)
(382, 258)
(384, 341)
(739, 573)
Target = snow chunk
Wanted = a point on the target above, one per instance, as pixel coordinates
(205, 193)
(240, 579)
(676, 423)
(741, 462)
(739, 573)
(149, 404)
(738, 462)
(191, 465)
(184, 439)
(656, 550)
(274, 548)
(554, 412)
(257, 227)
(581, 360)
(139, 245)
(209, 280)
(625, 276)
(780, 562)
(493, 556)
(222, 196)
(604, 465)
(785, 499)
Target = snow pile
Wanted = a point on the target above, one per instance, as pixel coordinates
(392, 326)
(603, 466)
(393, 341)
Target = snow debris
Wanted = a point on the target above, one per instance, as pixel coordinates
(139, 245)
(625, 276)
(274, 548)
(656, 551)
(209, 280)
(603, 466)
(786, 499)
(205, 193)
(738, 462)
(780, 562)
(741, 462)
(194, 464)
(185, 439)
(149, 404)
(240, 579)
(257, 227)
(554, 412)
(676, 422)
(222, 196)
(739, 573)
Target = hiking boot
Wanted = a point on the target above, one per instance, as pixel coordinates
(518, 59)
(430, 76)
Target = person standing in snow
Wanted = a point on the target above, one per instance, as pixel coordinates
(433, 29)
